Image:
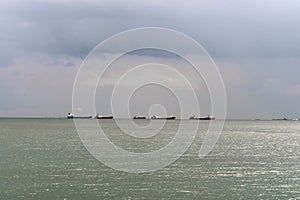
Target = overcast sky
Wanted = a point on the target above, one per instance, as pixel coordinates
(255, 44)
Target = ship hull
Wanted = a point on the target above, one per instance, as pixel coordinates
(139, 117)
(165, 118)
(104, 117)
(79, 117)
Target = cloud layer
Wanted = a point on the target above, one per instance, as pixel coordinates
(255, 44)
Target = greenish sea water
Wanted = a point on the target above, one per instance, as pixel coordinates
(45, 159)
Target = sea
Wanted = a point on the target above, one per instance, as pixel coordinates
(46, 159)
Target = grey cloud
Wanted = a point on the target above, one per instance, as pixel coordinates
(259, 38)
(230, 29)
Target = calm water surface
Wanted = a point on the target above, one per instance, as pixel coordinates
(45, 159)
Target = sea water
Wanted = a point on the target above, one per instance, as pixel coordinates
(45, 159)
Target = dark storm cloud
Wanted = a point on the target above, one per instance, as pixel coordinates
(231, 29)
(43, 29)
(53, 28)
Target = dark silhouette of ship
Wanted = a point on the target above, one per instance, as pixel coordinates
(208, 117)
(166, 118)
(103, 117)
(139, 117)
(72, 116)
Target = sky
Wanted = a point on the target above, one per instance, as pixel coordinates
(255, 44)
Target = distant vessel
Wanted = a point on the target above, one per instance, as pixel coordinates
(72, 116)
(103, 117)
(281, 119)
(139, 117)
(208, 117)
(166, 118)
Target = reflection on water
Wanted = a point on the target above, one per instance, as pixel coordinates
(45, 159)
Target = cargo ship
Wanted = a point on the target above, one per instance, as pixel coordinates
(103, 117)
(208, 117)
(72, 116)
(139, 117)
(165, 118)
